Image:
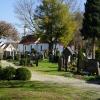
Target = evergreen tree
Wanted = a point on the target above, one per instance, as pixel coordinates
(91, 22)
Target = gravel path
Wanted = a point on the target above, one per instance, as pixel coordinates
(36, 76)
(5, 63)
(62, 80)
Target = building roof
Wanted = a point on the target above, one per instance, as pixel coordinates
(4, 46)
(1, 45)
(9, 47)
(30, 39)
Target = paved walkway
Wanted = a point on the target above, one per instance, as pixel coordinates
(36, 76)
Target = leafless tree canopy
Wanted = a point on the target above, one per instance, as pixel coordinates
(24, 10)
(74, 5)
(8, 31)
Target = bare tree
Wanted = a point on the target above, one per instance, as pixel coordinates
(78, 38)
(24, 10)
(74, 5)
(8, 31)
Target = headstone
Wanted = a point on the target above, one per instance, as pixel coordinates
(60, 63)
(91, 66)
(98, 67)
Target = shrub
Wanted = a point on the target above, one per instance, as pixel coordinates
(33, 50)
(16, 57)
(89, 78)
(22, 62)
(23, 74)
(9, 58)
(51, 58)
(25, 60)
(8, 73)
(98, 55)
(0, 72)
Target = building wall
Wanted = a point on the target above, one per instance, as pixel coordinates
(20, 48)
(59, 47)
(1, 53)
(10, 48)
(40, 47)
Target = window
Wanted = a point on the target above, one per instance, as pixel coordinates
(31, 47)
(25, 47)
(41, 47)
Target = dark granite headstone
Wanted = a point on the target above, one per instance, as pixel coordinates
(91, 66)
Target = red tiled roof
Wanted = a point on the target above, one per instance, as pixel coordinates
(30, 39)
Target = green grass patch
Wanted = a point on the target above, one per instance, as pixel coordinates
(27, 90)
(49, 68)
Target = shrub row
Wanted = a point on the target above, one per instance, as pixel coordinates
(10, 73)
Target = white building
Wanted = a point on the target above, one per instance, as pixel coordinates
(30, 42)
(7, 49)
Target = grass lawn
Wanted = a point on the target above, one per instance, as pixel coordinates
(22, 90)
(49, 68)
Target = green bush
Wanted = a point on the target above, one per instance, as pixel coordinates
(25, 60)
(0, 72)
(88, 78)
(9, 58)
(22, 62)
(33, 50)
(23, 74)
(16, 57)
(8, 73)
(98, 55)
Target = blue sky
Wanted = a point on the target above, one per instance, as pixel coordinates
(7, 11)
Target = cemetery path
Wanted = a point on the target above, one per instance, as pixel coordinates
(5, 63)
(62, 80)
(37, 76)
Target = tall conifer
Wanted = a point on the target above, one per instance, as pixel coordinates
(91, 22)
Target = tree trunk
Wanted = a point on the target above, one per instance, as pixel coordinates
(66, 64)
(55, 48)
(60, 63)
(78, 66)
(50, 48)
(50, 52)
(93, 48)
